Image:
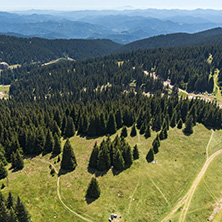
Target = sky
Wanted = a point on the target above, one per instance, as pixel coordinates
(69, 5)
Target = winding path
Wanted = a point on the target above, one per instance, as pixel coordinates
(59, 195)
(186, 200)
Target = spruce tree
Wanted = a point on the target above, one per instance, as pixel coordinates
(124, 132)
(142, 129)
(188, 125)
(118, 161)
(127, 155)
(111, 124)
(68, 157)
(9, 201)
(21, 212)
(93, 190)
(173, 120)
(3, 171)
(57, 145)
(133, 131)
(135, 152)
(180, 124)
(150, 156)
(49, 143)
(155, 147)
(147, 132)
(19, 162)
(12, 216)
(94, 157)
(70, 128)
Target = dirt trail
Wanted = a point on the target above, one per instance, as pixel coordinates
(186, 200)
(59, 195)
(207, 148)
(131, 197)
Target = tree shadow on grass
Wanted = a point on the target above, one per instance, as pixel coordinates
(90, 200)
(64, 172)
(96, 172)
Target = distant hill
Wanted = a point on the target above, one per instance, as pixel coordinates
(213, 36)
(16, 50)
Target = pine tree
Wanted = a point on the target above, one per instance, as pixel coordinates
(155, 147)
(173, 120)
(3, 171)
(94, 157)
(12, 216)
(3, 212)
(111, 124)
(118, 161)
(68, 157)
(180, 124)
(188, 125)
(93, 190)
(9, 202)
(147, 132)
(49, 143)
(150, 156)
(19, 162)
(39, 142)
(127, 155)
(142, 129)
(21, 212)
(133, 131)
(70, 128)
(57, 145)
(124, 132)
(135, 152)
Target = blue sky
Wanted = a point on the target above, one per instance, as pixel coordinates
(10, 5)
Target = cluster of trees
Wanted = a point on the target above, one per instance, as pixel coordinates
(116, 153)
(12, 210)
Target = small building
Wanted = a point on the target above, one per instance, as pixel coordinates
(3, 65)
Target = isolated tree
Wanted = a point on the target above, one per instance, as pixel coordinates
(124, 132)
(57, 145)
(188, 125)
(3, 171)
(68, 157)
(133, 131)
(93, 190)
(135, 152)
(150, 156)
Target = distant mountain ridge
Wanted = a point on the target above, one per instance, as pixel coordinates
(120, 26)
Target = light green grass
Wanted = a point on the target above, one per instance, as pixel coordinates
(4, 91)
(147, 192)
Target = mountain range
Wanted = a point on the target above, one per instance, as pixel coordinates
(120, 26)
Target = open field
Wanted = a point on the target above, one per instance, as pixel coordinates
(144, 192)
(4, 91)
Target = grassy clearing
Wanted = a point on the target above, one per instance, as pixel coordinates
(144, 192)
(4, 91)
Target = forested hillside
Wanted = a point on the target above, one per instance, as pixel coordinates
(16, 50)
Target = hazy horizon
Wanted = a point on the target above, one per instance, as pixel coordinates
(70, 5)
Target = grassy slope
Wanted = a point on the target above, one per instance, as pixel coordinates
(148, 191)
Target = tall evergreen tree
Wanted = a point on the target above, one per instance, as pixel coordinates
(133, 131)
(49, 143)
(188, 125)
(135, 152)
(93, 190)
(142, 129)
(21, 212)
(180, 124)
(150, 156)
(94, 156)
(124, 132)
(3, 171)
(147, 132)
(57, 145)
(9, 202)
(118, 161)
(68, 157)
(111, 124)
(70, 128)
(19, 162)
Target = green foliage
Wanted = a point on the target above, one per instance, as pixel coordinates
(188, 125)
(21, 212)
(70, 128)
(49, 143)
(3, 171)
(180, 124)
(135, 152)
(133, 131)
(111, 124)
(52, 172)
(150, 156)
(124, 132)
(68, 157)
(147, 132)
(93, 190)
(57, 145)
